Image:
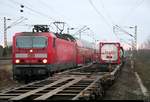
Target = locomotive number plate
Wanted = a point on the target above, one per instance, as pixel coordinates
(31, 55)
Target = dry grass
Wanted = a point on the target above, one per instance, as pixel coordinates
(6, 77)
(5, 74)
(142, 66)
(125, 87)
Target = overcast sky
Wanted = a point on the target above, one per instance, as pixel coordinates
(98, 15)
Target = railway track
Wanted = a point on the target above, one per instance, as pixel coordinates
(4, 61)
(81, 83)
(5, 58)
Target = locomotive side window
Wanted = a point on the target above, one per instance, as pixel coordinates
(54, 42)
(31, 41)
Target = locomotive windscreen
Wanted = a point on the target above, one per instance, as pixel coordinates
(31, 41)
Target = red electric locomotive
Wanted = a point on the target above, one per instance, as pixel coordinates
(41, 53)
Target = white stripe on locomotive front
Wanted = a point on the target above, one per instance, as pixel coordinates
(21, 55)
(40, 55)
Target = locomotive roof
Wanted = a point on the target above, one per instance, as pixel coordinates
(65, 36)
(31, 33)
(68, 37)
(61, 36)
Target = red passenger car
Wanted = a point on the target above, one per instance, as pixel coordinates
(85, 52)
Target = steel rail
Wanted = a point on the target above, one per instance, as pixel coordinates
(69, 85)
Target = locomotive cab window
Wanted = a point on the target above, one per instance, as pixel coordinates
(31, 42)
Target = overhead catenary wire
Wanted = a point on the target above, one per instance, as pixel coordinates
(15, 22)
(48, 6)
(132, 10)
(100, 14)
(19, 22)
(103, 17)
(32, 10)
(30, 5)
(107, 13)
(7, 4)
(121, 40)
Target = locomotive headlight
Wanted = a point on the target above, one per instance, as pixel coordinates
(31, 50)
(44, 60)
(17, 61)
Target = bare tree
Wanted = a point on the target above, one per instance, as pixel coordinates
(1, 51)
(147, 43)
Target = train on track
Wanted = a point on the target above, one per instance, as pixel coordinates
(40, 53)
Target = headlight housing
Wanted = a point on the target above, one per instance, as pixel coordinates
(44, 61)
(17, 61)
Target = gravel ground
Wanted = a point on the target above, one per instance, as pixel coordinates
(5, 62)
(125, 87)
(6, 81)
